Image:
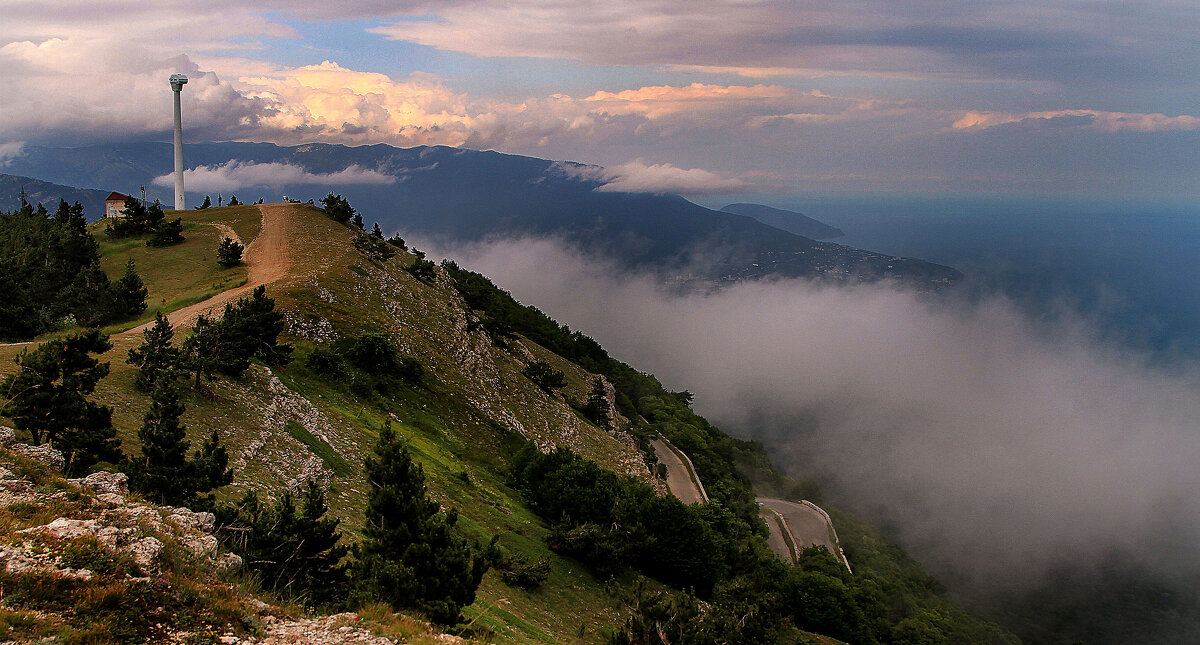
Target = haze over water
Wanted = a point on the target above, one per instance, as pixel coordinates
(1128, 267)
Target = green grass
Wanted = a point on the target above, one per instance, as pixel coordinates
(177, 275)
(332, 460)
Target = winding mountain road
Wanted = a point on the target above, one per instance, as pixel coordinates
(682, 479)
(806, 524)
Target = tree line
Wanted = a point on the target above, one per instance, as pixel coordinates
(51, 278)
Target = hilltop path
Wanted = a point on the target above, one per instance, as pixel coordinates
(267, 260)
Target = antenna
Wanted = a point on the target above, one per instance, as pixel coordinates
(177, 82)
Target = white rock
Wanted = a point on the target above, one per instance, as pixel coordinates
(206, 521)
(229, 562)
(201, 545)
(64, 528)
(42, 453)
(105, 482)
(145, 554)
(110, 499)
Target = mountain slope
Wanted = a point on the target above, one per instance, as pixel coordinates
(789, 221)
(466, 195)
(465, 421)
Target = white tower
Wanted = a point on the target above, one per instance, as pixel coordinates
(177, 83)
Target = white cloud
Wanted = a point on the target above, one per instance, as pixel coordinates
(639, 177)
(233, 175)
(10, 151)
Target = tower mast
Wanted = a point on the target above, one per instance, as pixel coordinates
(177, 83)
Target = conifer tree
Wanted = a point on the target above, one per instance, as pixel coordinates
(233, 201)
(201, 352)
(251, 328)
(229, 253)
(545, 376)
(297, 551)
(163, 472)
(167, 233)
(408, 556)
(47, 398)
(128, 294)
(337, 208)
(598, 410)
(207, 203)
(160, 472)
(156, 357)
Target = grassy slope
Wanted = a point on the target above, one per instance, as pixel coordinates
(461, 423)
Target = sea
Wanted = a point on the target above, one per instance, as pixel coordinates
(1130, 268)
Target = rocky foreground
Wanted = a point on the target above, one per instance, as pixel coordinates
(83, 560)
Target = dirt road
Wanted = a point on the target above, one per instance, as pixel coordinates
(681, 479)
(807, 524)
(267, 260)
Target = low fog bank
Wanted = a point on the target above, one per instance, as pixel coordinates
(995, 446)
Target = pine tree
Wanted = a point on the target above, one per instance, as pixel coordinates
(167, 233)
(128, 294)
(229, 253)
(156, 357)
(207, 203)
(251, 328)
(545, 376)
(209, 469)
(408, 556)
(163, 472)
(160, 472)
(47, 398)
(598, 410)
(201, 352)
(297, 551)
(233, 201)
(337, 208)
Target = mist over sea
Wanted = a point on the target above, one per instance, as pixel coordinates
(1131, 268)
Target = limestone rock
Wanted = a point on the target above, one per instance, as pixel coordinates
(229, 563)
(64, 528)
(105, 482)
(145, 554)
(42, 453)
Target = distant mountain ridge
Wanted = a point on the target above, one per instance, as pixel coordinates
(37, 191)
(786, 220)
(466, 196)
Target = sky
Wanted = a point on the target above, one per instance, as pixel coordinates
(709, 98)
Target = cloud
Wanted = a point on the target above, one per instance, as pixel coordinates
(10, 150)
(233, 175)
(639, 177)
(1072, 43)
(997, 446)
(1097, 119)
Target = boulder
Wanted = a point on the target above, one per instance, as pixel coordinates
(64, 528)
(145, 554)
(229, 563)
(42, 453)
(104, 482)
